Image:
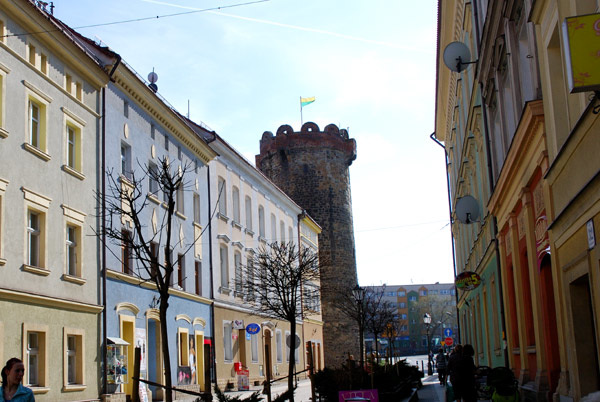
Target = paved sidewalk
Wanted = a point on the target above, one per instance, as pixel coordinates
(432, 391)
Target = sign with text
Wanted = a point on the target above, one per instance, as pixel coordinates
(363, 394)
(243, 380)
(467, 280)
(253, 328)
(581, 36)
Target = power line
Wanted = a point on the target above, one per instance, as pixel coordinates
(142, 19)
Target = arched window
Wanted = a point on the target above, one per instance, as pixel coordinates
(222, 196)
(235, 194)
(261, 221)
(248, 205)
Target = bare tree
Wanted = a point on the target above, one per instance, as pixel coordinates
(273, 281)
(441, 310)
(379, 314)
(126, 204)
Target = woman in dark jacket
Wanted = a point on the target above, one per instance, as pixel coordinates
(466, 374)
(12, 390)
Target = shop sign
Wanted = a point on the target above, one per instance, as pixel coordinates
(581, 36)
(467, 280)
(253, 328)
(238, 324)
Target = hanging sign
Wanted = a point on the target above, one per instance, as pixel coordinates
(467, 280)
(253, 328)
(580, 34)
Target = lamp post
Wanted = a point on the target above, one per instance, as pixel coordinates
(427, 322)
(359, 296)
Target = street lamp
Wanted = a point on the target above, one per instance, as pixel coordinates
(427, 322)
(359, 296)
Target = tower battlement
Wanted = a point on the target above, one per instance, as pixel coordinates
(312, 167)
(308, 137)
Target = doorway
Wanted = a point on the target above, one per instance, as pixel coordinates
(586, 349)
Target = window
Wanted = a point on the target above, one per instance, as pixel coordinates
(291, 234)
(126, 160)
(282, 231)
(31, 54)
(183, 346)
(248, 205)
(224, 266)
(273, 227)
(179, 153)
(34, 352)
(152, 131)
(279, 346)
(287, 346)
(235, 194)
(73, 145)
(254, 347)
(37, 124)
(250, 276)
(35, 238)
(44, 63)
(423, 292)
(153, 259)
(3, 132)
(401, 293)
(3, 185)
(198, 277)
(153, 178)
(180, 271)
(222, 197)
(125, 108)
(68, 83)
(73, 246)
(403, 316)
(227, 344)
(412, 298)
(197, 208)
(402, 305)
(126, 252)
(237, 258)
(166, 142)
(79, 91)
(179, 197)
(74, 367)
(261, 221)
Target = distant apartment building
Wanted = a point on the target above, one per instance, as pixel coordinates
(408, 334)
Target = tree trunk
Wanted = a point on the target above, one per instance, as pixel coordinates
(164, 333)
(292, 358)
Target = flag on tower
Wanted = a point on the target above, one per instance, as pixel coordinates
(306, 101)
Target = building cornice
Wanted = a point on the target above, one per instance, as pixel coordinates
(48, 301)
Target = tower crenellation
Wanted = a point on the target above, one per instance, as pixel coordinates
(312, 167)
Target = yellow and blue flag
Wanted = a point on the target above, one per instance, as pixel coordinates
(306, 101)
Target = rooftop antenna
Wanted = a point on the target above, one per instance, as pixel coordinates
(153, 77)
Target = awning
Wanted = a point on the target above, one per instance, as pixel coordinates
(113, 340)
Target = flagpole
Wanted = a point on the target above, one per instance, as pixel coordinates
(301, 118)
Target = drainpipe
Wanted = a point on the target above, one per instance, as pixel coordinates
(104, 318)
(212, 284)
(432, 136)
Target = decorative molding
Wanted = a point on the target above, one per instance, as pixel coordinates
(199, 321)
(128, 307)
(74, 279)
(49, 301)
(36, 270)
(37, 91)
(73, 116)
(73, 213)
(183, 317)
(73, 172)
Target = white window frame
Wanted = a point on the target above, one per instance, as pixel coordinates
(279, 346)
(254, 347)
(261, 221)
(273, 227)
(197, 211)
(126, 170)
(227, 341)
(237, 260)
(222, 195)
(41, 371)
(37, 204)
(74, 357)
(235, 194)
(224, 265)
(153, 187)
(248, 208)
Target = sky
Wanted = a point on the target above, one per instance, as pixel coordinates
(371, 67)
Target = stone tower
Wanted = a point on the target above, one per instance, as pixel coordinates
(311, 166)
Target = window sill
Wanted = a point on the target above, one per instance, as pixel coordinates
(180, 215)
(125, 180)
(196, 224)
(40, 390)
(36, 270)
(262, 239)
(73, 172)
(249, 232)
(36, 151)
(74, 387)
(152, 197)
(222, 217)
(236, 224)
(3, 133)
(73, 279)
(225, 291)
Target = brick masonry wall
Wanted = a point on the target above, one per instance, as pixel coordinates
(312, 167)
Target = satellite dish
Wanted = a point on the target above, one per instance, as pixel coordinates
(457, 56)
(467, 209)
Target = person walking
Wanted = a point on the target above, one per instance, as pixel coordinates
(441, 362)
(12, 390)
(452, 372)
(466, 374)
